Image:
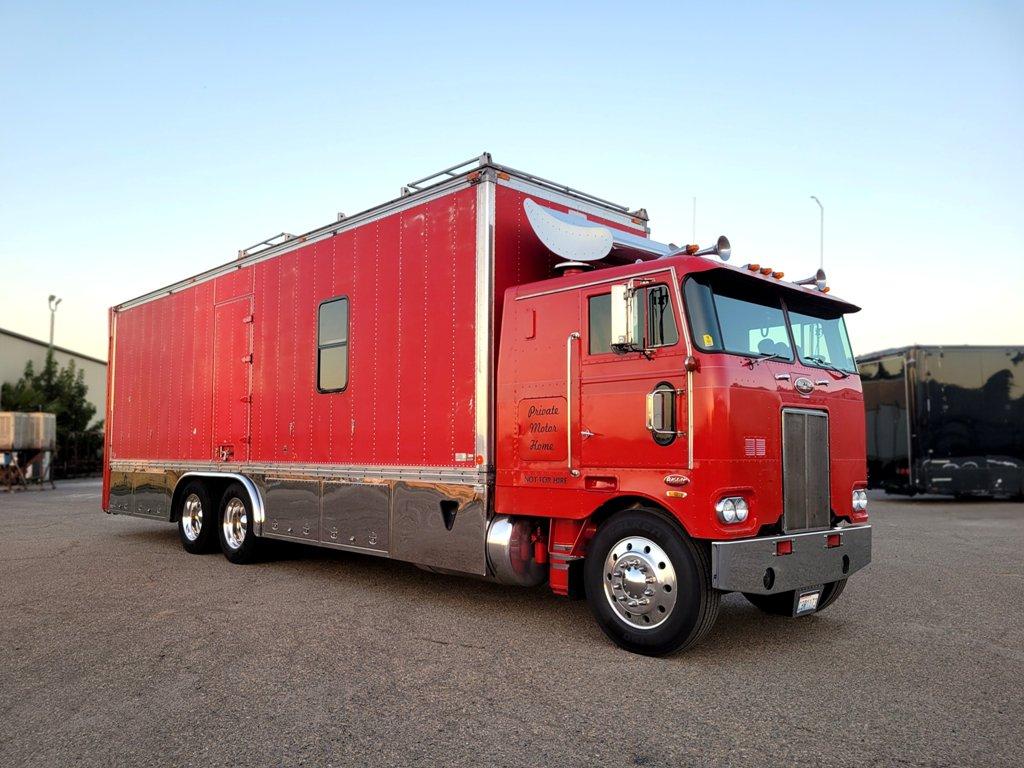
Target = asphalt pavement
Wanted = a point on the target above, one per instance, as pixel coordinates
(118, 648)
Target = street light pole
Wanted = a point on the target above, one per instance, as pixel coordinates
(821, 255)
(54, 302)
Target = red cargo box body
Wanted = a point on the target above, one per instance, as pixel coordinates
(218, 373)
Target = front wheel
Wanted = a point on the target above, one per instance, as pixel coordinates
(238, 541)
(648, 584)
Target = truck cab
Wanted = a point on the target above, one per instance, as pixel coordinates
(689, 428)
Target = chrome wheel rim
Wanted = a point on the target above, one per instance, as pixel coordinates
(236, 521)
(192, 517)
(640, 582)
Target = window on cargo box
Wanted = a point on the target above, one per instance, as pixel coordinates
(658, 321)
(332, 345)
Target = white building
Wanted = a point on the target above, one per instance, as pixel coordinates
(16, 350)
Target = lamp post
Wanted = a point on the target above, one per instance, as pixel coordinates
(821, 255)
(54, 302)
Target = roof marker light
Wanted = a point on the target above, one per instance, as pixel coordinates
(778, 275)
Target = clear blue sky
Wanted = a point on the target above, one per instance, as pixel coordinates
(142, 145)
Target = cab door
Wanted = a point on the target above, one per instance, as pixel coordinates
(633, 404)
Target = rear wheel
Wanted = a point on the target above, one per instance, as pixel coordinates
(782, 603)
(648, 584)
(238, 541)
(197, 521)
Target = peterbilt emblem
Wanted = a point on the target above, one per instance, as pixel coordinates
(676, 479)
(803, 385)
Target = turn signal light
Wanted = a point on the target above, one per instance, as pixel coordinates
(833, 540)
(784, 547)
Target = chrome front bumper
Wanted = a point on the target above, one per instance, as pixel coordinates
(753, 565)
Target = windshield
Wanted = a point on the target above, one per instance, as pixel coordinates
(822, 341)
(733, 314)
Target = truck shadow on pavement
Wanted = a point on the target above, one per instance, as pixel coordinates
(741, 632)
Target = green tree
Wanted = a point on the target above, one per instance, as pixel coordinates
(60, 391)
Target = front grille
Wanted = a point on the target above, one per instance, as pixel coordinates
(805, 496)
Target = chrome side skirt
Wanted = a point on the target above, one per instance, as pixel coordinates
(414, 514)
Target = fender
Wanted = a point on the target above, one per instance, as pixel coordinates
(258, 512)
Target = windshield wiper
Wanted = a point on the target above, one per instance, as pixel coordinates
(752, 359)
(823, 363)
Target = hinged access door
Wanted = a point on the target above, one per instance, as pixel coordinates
(232, 379)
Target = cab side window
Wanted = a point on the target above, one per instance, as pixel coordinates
(661, 322)
(599, 324)
(656, 320)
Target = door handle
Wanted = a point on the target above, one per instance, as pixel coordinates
(654, 405)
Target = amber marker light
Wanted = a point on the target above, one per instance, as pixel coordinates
(766, 270)
(754, 267)
(778, 275)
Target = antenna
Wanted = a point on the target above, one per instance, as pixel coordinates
(694, 240)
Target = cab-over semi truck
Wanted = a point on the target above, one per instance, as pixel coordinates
(504, 377)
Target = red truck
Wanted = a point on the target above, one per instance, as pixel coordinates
(501, 376)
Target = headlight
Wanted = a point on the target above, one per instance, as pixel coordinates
(733, 509)
(860, 500)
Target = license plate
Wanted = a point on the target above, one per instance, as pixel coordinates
(807, 602)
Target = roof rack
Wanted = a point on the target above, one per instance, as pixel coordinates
(485, 160)
(270, 242)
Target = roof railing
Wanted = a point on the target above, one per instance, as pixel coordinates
(485, 160)
(270, 242)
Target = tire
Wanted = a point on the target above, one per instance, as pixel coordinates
(782, 603)
(197, 519)
(665, 568)
(238, 540)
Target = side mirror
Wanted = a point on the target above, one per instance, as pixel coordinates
(624, 318)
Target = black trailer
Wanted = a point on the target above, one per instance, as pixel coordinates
(945, 420)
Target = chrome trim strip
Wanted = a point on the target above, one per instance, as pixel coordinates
(453, 475)
(484, 320)
(554, 186)
(685, 332)
(618, 215)
(258, 510)
(568, 400)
